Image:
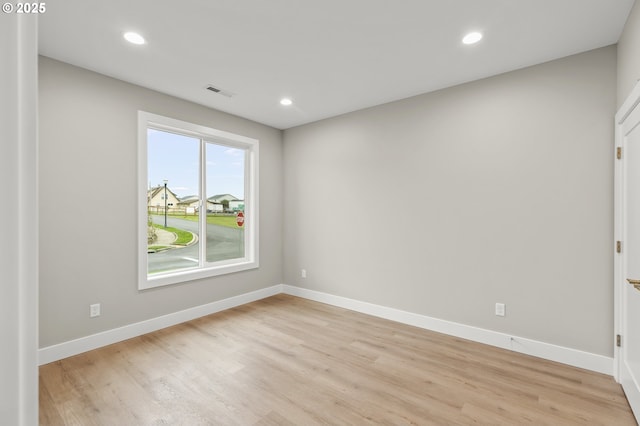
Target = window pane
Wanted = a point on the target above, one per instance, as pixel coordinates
(172, 159)
(225, 171)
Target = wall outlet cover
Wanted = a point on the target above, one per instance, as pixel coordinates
(94, 310)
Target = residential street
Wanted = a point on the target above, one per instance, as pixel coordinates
(222, 243)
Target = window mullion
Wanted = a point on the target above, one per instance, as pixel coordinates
(248, 205)
(203, 204)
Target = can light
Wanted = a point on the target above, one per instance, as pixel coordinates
(134, 38)
(472, 38)
(286, 101)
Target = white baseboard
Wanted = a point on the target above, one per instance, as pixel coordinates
(573, 357)
(84, 344)
(576, 358)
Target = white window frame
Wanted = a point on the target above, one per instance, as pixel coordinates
(148, 120)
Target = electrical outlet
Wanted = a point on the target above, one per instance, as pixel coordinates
(94, 310)
(303, 273)
(500, 309)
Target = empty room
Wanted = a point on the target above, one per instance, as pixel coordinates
(320, 212)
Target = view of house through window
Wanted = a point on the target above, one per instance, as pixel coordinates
(225, 193)
(195, 203)
(172, 201)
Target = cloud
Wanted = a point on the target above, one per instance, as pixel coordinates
(234, 152)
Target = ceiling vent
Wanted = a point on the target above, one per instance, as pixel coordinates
(219, 91)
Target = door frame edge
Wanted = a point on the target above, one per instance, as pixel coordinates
(631, 102)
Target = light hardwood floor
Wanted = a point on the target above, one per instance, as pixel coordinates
(290, 361)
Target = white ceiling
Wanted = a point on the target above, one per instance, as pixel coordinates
(329, 56)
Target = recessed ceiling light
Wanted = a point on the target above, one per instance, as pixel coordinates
(286, 101)
(472, 38)
(134, 38)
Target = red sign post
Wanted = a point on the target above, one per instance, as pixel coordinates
(240, 219)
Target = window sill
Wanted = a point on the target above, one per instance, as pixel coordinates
(177, 277)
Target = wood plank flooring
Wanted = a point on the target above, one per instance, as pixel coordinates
(290, 361)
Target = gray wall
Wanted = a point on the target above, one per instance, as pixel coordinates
(443, 204)
(88, 250)
(18, 215)
(628, 57)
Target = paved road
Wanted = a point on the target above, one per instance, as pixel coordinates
(222, 243)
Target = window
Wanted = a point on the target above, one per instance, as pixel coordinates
(198, 201)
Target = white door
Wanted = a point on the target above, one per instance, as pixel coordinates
(628, 260)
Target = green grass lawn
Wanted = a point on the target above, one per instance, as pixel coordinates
(184, 237)
(228, 221)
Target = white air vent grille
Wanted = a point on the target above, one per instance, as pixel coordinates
(219, 91)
